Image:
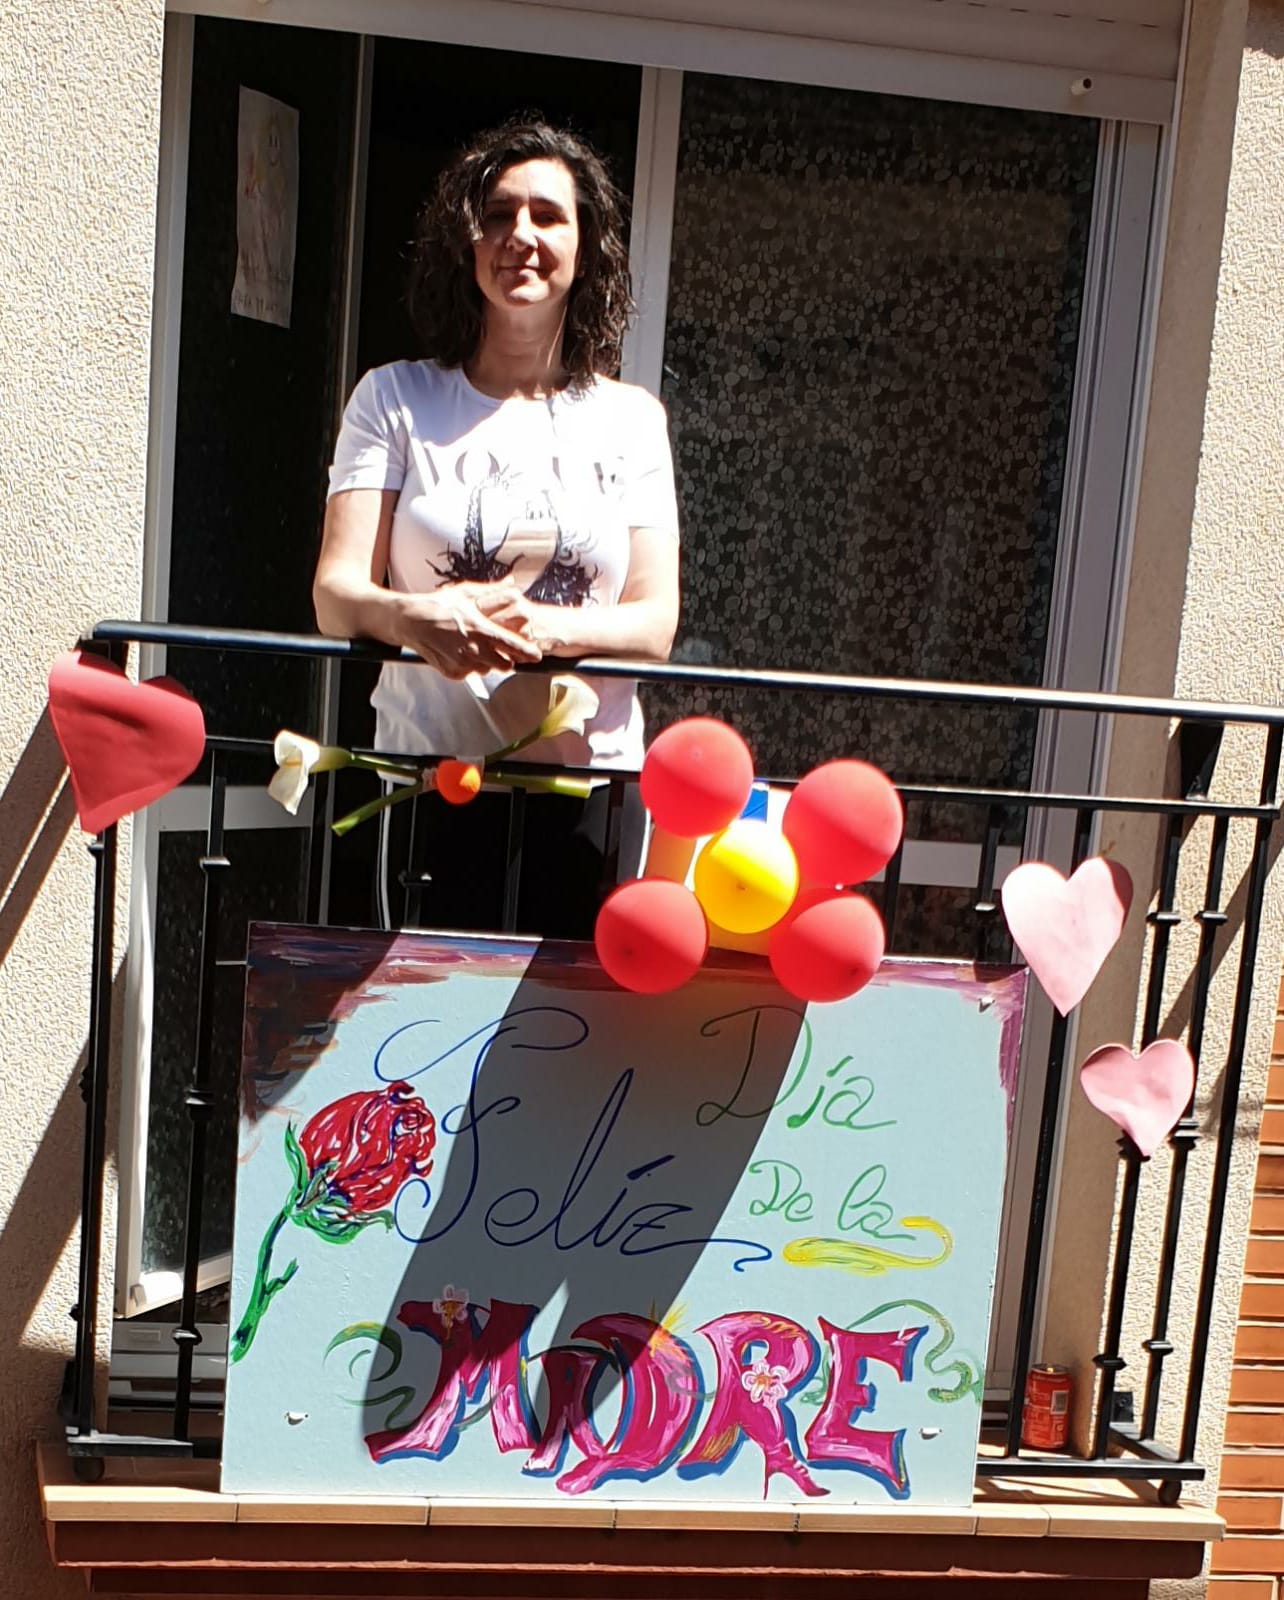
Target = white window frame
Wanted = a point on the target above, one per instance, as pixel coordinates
(1095, 535)
(751, 39)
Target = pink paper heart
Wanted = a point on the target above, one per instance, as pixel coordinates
(1065, 928)
(1144, 1095)
(126, 743)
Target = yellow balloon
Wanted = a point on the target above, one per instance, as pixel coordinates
(746, 877)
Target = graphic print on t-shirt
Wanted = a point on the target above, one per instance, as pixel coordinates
(513, 529)
(570, 477)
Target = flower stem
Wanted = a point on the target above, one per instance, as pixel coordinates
(517, 744)
(372, 808)
(577, 788)
(265, 1286)
(399, 769)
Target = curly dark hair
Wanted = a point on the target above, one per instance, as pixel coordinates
(442, 296)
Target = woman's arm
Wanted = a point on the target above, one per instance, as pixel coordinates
(643, 621)
(458, 628)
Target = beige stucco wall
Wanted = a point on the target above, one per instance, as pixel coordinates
(1210, 551)
(79, 107)
(1236, 646)
(1232, 643)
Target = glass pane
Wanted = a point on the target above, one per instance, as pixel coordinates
(267, 882)
(869, 360)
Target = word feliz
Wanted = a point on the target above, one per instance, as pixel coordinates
(760, 1361)
(520, 1216)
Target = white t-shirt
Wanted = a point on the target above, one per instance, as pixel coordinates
(543, 491)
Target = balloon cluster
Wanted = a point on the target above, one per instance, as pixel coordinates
(783, 886)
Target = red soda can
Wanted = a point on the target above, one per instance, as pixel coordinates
(1045, 1420)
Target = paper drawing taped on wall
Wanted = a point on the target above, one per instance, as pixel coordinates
(504, 1230)
(267, 207)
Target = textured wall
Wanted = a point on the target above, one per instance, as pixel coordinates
(79, 103)
(1203, 621)
(1236, 646)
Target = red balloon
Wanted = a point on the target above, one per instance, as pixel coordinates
(844, 820)
(696, 777)
(651, 935)
(829, 946)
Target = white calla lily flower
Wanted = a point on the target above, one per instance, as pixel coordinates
(563, 704)
(297, 758)
(572, 703)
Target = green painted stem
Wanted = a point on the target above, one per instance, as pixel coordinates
(265, 1286)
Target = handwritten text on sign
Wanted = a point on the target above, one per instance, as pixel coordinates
(504, 1230)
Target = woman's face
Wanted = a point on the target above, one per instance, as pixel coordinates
(529, 249)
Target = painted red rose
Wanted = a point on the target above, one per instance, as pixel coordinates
(346, 1168)
(369, 1144)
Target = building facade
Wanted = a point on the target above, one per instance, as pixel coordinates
(1127, 163)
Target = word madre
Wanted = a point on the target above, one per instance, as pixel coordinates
(667, 1420)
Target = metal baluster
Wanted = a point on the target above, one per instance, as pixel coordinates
(513, 868)
(412, 878)
(891, 894)
(200, 1096)
(985, 905)
(1186, 1133)
(94, 1091)
(611, 844)
(1108, 1361)
(316, 885)
(1231, 1078)
(1039, 1193)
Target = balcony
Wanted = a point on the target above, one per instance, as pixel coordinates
(1108, 1509)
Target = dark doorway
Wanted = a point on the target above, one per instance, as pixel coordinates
(256, 409)
(254, 412)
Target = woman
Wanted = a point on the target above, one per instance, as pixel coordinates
(503, 502)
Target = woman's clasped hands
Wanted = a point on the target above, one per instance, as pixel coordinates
(469, 627)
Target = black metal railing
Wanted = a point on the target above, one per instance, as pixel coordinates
(1117, 1449)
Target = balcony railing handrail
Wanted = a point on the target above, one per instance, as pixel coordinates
(200, 637)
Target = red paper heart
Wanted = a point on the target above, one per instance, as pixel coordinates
(1065, 928)
(1144, 1095)
(126, 743)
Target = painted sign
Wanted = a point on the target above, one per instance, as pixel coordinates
(504, 1230)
